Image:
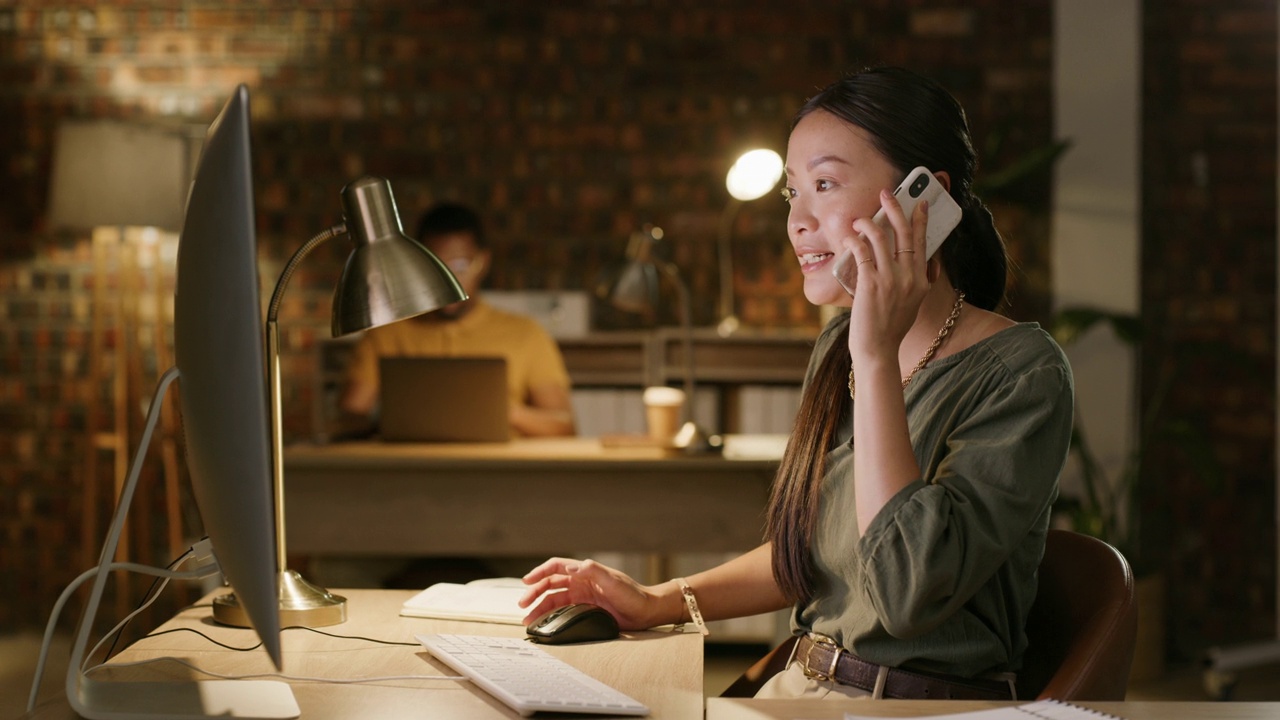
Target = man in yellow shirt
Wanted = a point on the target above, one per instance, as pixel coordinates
(537, 381)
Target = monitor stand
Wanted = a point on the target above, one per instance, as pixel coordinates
(183, 700)
(187, 700)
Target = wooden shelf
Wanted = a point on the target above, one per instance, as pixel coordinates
(607, 359)
(631, 360)
(634, 359)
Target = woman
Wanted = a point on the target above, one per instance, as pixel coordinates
(910, 563)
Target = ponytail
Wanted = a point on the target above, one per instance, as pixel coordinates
(975, 256)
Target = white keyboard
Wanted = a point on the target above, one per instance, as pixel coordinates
(527, 678)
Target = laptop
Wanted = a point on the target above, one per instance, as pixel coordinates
(444, 399)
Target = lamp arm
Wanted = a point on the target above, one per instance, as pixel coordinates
(274, 308)
(273, 385)
(724, 249)
(686, 326)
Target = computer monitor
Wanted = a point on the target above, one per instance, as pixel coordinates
(221, 372)
(218, 336)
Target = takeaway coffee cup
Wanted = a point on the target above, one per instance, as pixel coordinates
(662, 409)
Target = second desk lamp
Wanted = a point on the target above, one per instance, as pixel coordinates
(635, 289)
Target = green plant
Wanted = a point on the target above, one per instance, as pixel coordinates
(1106, 510)
(1113, 504)
(1015, 181)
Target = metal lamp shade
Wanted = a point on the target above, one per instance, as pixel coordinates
(388, 276)
(635, 288)
(388, 280)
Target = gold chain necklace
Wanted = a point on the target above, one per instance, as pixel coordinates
(933, 348)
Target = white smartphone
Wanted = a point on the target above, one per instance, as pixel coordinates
(944, 215)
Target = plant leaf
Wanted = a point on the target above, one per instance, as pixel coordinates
(1070, 323)
(1004, 182)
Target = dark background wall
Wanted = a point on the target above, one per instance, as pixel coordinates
(570, 124)
(1208, 305)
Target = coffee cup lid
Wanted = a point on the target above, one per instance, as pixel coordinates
(663, 395)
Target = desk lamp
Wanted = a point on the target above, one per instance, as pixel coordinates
(755, 173)
(388, 277)
(635, 289)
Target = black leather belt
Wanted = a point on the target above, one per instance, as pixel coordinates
(822, 659)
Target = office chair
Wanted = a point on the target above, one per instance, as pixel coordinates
(1081, 629)
(1083, 626)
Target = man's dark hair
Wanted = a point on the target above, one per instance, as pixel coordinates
(448, 218)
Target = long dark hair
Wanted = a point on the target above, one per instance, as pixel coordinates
(912, 121)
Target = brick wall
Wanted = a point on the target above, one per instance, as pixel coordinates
(1208, 297)
(568, 123)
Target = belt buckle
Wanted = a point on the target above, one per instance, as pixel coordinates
(822, 640)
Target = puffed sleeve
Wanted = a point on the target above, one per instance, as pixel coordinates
(990, 455)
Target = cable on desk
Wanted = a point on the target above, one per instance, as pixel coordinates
(201, 550)
(280, 676)
(166, 574)
(350, 637)
(196, 574)
(220, 644)
(147, 598)
(158, 633)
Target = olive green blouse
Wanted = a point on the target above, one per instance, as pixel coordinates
(945, 575)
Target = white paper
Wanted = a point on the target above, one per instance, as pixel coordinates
(1039, 710)
(488, 600)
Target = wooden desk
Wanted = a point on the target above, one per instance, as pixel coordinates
(739, 709)
(661, 669)
(526, 497)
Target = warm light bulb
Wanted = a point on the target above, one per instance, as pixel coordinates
(754, 174)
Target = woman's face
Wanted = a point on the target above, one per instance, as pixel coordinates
(834, 176)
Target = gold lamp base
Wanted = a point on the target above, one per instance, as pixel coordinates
(301, 604)
(692, 439)
(728, 326)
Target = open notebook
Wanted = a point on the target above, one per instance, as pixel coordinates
(488, 600)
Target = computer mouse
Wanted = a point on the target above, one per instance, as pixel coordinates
(577, 623)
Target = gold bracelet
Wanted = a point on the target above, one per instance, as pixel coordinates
(691, 602)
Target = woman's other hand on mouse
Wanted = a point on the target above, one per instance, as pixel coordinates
(564, 581)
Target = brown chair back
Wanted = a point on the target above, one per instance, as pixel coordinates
(1081, 628)
(1083, 624)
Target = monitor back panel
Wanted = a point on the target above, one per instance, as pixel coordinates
(444, 399)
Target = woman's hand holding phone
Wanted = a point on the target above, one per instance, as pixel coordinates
(920, 186)
(884, 263)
